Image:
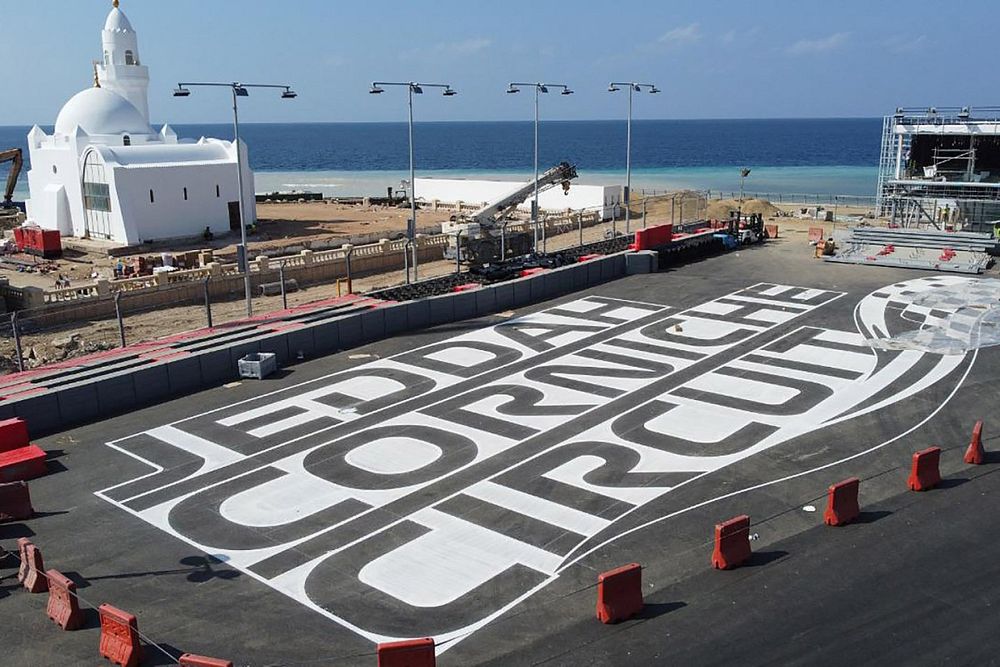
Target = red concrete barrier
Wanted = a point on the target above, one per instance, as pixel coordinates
(119, 636)
(842, 503)
(22, 463)
(15, 502)
(63, 607)
(975, 454)
(732, 543)
(191, 660)
(409, 653)
(619, 593)
(815, 233)
(465, 287)
(13, 434)
(31, 572)
(925, 472)
(587, 258)
(532, 272)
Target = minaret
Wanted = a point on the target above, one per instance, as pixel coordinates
(121, 71)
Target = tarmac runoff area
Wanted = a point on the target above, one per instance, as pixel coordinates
(471, 481)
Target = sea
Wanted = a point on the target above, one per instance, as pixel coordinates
(787, 157)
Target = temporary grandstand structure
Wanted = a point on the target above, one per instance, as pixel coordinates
(940, 167)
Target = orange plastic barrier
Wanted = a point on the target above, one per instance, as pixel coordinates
(975, 454)
(815, 233)
(772, 231)
(191, 660)
(22, 463)
(119, 636)
(732, 543)
(619, 593)
(31, 572)
(409, 653)
(15, 502)
(842, 503)
(63, 607)
(925, 473)
(653, 237)
(13, 434)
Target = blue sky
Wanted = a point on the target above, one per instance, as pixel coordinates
(712, 58)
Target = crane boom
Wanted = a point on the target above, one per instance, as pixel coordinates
(14, 156)
(563, 173)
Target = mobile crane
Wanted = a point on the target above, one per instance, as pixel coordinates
(481, 238)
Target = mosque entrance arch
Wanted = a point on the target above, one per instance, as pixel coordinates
(96, 197)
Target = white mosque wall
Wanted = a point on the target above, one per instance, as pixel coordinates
(151, 203)
(476, 192)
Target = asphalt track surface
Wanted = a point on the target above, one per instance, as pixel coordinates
(494, 547)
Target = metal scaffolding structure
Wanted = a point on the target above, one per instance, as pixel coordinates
(940, 167)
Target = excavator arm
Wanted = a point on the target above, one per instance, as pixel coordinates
(15, 157)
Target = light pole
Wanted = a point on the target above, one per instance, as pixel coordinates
(744, 172)
(239, 90)
(411, 89)
(633, 87)
(539, 88)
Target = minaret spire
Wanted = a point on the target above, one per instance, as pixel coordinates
(97, 80)
(115, 3)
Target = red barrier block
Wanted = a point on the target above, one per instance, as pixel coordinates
(587, 258)
(119, 636)
(975, 454)
(63, 607)
(465, 287)
(619, 593)
(22, 463)
(925, 473)
(772, 231)
(15, 502)
(191, 660)
(815, 233)
(842, 503)
(32, 569)
(13, 434)
(732, 543)
(410, 653)
(525, 273)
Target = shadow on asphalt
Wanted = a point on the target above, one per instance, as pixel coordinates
(198, 569)
(652, 610)
(871, 516)
(952, 482)
(759, 558)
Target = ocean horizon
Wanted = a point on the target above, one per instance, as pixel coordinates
(787, 156)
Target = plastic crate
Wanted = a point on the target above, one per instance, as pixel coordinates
(258, 365)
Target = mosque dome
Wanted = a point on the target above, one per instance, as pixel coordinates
(100, 111)
(118, 22)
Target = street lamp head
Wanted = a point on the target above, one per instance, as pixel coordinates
(613, 88)
(543, 89)
(654, 90)
(417, 90)
(744, 172)
(289, 94)
(512, 89)
(240, 91)
(637, 88)
(566, 91)
(181, 91)
(449, 92)
(376, 90)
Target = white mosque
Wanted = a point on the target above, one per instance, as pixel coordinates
(105, 173)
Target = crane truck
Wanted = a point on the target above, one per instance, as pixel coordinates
(481, 237)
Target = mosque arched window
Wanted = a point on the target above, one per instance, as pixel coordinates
(126, 140)
(107, 58)
(130, 58)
